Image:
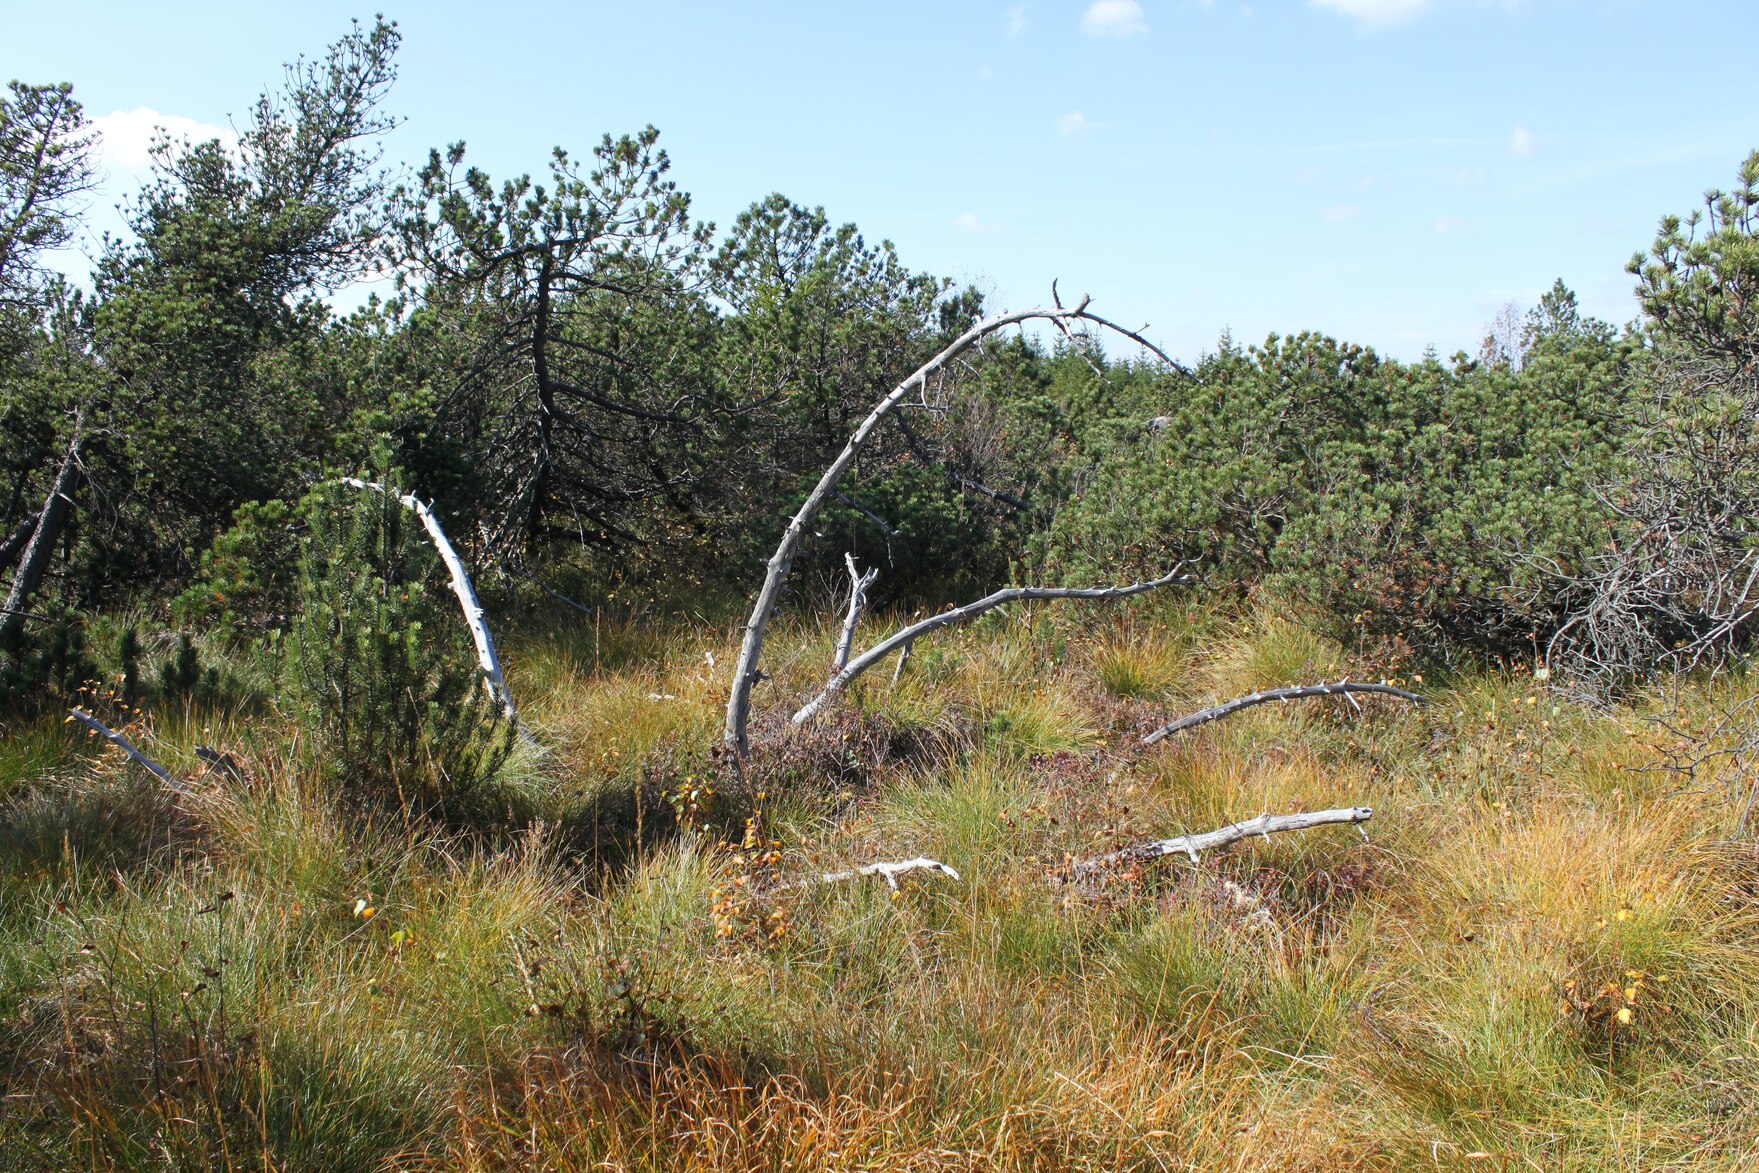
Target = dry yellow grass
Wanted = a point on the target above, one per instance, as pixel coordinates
(1545, 957)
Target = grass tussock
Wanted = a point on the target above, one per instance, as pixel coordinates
(1546, 955)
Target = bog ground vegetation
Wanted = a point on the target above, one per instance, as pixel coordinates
(380, 918)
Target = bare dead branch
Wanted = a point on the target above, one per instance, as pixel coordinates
(487, 660)
(735, 733)
(887, 871)
(128, 747)
(858, 584)
(1293, 692)
(907, 635)
(1191, 845)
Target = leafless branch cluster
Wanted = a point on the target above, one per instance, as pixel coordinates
(1678, 585)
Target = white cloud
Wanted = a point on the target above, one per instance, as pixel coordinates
(128, 135)
(1338, 213)
(1521, 141)
(1114, 18)
(1016, 21)
(969, 222)
(1445, 225)
(1074, 122)
(1375, 13)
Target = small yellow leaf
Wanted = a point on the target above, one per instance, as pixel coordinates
(1625, 1016)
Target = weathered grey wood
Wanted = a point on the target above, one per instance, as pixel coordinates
(887, 871)
(15, 541)
(51, 520)
(858, 584)
(745, 670)
(903, 658)
(474, 616)
(1293, 692)
(1191, 845)
(128, 747)
(908, 635)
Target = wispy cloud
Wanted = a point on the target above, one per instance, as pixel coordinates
(1375, 13)
(1016, 21)
(1521, 141)
(1114, 18)
(128, 135)
(1447, 225)
(1339, 213)
(1074, 122)
(969, 222)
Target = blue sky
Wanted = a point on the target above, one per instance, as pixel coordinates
(1388, 171)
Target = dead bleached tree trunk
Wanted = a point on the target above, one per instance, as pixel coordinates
(33, 565)
(858, 584)
(15, 542)
(1191, 845)
(905, 636)
(1293, 692)
(745, 669)
(487, 660)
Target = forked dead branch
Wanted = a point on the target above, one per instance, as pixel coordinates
(1292, 692)
(735, 733)
(1193, 845)
(904, 637)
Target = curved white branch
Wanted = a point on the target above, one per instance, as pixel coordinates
(487, 660)
(905, 636)
(745, 670)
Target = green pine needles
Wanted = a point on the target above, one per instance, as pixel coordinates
(381, 667)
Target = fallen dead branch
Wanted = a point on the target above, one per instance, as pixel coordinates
(1191, 845)
(907, 635)
(128, 747)
(888, 871)
(1293, 692)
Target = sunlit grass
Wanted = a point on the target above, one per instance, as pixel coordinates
(1544, 956)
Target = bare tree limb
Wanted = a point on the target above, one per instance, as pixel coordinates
(903, 658)
(858, 584)
(906, 635)
(1293, 692)
(487, 660)
(128, 747)
(888, 871)
(33, 564)
(1190, 845)
(15, 541)
(884, 525)
(735, 733)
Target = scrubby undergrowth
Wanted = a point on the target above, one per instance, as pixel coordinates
(1546, 956)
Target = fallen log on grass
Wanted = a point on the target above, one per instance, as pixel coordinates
(1293, 692)
(1191, 845)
